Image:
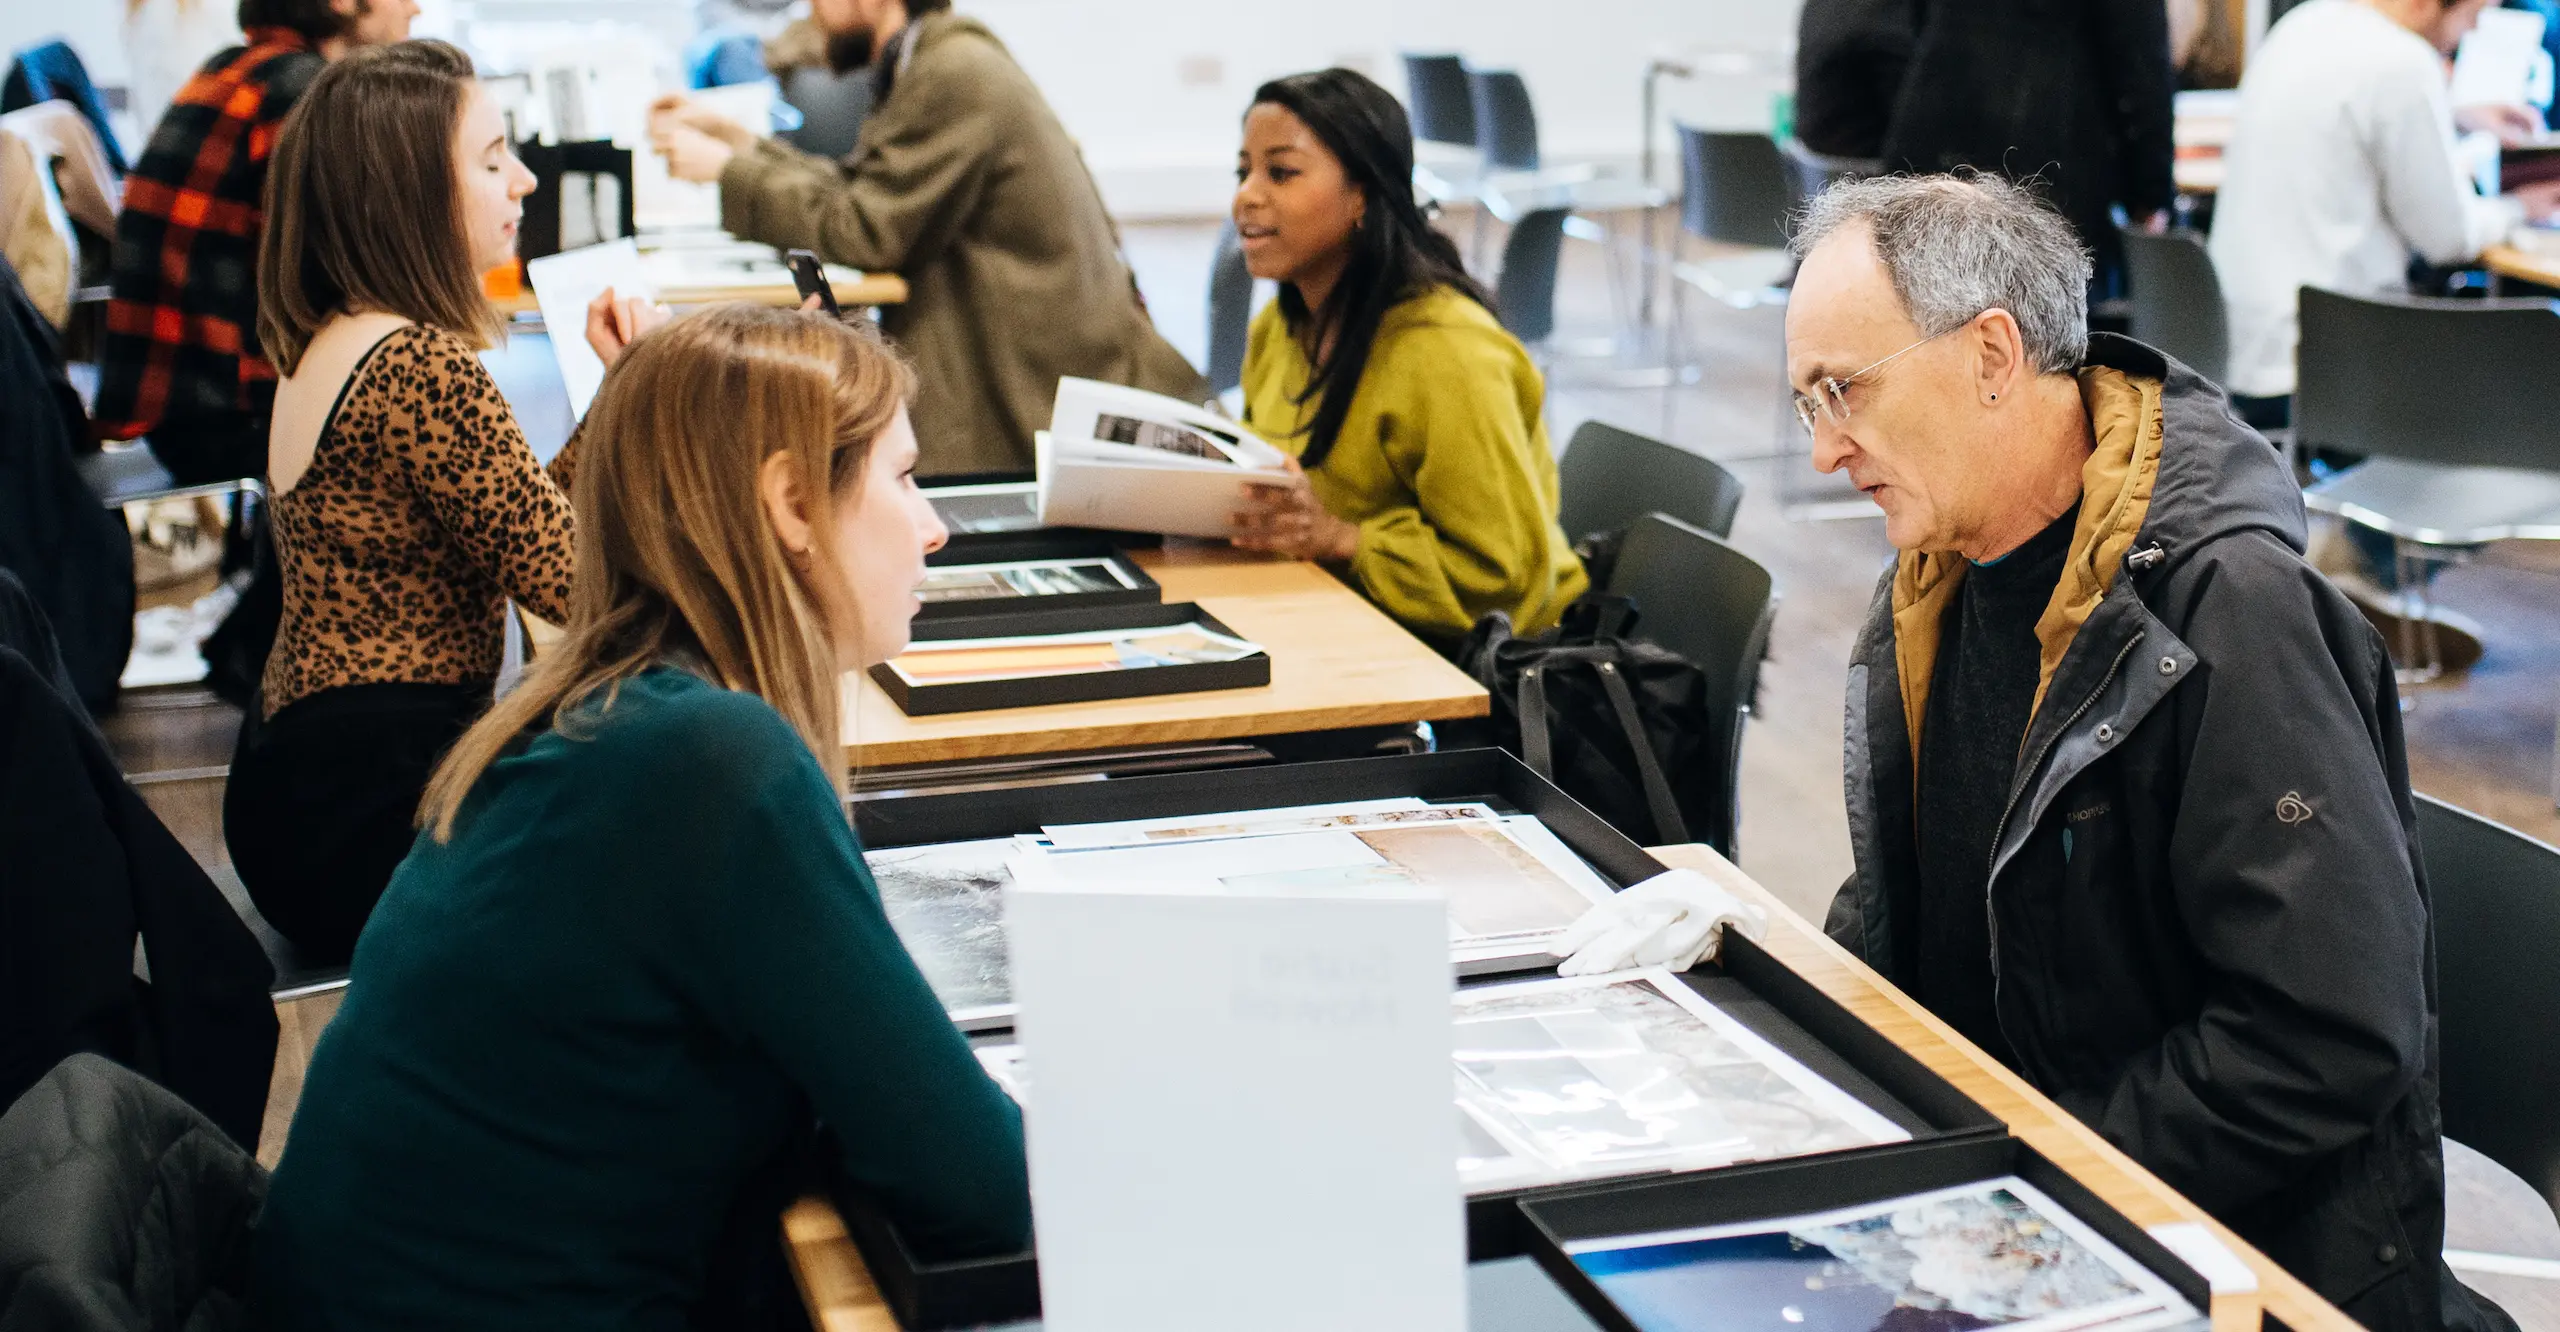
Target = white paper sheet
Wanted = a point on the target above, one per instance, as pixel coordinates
(563, 284)
(2494, 65)
(1177, 498)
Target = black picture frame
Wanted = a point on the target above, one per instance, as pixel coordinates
(934, 700)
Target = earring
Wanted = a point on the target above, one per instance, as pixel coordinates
(1995, 397)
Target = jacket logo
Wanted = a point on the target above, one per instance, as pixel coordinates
(2084, 815)
(2292, 808)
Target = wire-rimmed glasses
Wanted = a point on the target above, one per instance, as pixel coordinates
(1830, 397)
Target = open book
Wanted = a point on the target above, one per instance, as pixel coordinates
(1136, 461)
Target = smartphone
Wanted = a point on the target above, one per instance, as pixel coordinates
(811, 278)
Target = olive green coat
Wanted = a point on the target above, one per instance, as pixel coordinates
(965, 184)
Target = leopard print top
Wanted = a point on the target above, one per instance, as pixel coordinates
(421, 513)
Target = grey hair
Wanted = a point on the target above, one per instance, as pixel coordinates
(1956, 246)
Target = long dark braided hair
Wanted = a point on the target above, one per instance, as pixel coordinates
(1395, 253)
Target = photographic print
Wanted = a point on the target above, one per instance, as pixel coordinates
(963, 660)
(1633, 1071)
(1187, 441)
(1996, 1254)
(1261, 823)
(947, 904)
(1029, 578)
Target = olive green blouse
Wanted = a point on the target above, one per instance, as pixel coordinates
(1443, 462)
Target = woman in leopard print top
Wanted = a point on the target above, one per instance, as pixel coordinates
(407, 508)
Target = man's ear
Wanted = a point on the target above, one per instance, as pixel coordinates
(1999, 355)
(786, 503)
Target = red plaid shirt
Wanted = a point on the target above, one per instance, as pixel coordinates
(182, 318)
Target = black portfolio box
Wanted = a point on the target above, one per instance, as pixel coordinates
(1029, 547)
(1781, 1189)
(1747, 983)
(930, 699)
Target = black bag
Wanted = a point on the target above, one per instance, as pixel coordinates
(1618, 724)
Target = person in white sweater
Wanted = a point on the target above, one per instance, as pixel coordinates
(2341, 166)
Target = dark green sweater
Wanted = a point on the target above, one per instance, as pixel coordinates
(577, 1031)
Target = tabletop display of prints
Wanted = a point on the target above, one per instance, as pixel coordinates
(1991, 1254)
(1511, 884)
(1590, 1077)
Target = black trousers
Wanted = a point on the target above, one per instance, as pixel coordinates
(323, 801)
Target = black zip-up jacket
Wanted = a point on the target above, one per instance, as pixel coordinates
(2210, 932)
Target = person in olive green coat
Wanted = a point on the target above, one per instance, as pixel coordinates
(1416, 419)
(964, 183)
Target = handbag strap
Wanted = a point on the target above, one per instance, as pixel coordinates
(1667, 823)
(1533, 721)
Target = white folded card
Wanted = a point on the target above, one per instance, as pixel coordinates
(1243, 1106)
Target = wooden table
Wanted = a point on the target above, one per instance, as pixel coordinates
(1336, 662)
(853, 290)
(841, 1298)
(2509, 261)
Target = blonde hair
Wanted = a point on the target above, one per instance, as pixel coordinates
(677, 559)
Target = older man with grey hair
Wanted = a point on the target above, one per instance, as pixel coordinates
(2125, 775)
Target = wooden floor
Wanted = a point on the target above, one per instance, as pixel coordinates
(2482, 740)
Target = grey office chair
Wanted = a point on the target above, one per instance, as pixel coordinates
(1713, 605)
(1611, 477)
(2177, 301)
(1734, 188)
(2497, 914)
(1230, 311)
(1524, 296)
(1506, 124)
(2444, 397)
(1442, 103)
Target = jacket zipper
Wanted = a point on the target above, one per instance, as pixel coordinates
(1990, 913)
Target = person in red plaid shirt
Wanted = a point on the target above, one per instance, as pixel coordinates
(180, 360)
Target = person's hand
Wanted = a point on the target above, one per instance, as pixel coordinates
(1674, 919)
(676, 111)
(2157, 224)
(615, 322)
(695, 156)
(1289, 520)
(2512, 124)
(2541, 201)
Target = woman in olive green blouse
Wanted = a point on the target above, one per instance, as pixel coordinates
(635, 946)
(1415, 418)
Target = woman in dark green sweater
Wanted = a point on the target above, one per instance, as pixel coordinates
(636, 947)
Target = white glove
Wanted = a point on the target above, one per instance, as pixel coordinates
(1671, 920)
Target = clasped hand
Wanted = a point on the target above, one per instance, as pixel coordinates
(696, 140)
(1289, 520)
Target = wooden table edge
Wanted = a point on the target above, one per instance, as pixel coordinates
(1110, 735)
(2514, 261)
(841, 1296)
(873, 289)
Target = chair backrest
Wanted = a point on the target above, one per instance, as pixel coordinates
(1524, 296)
(1506, 125)
(2430, 380)
(1712, 604)
(1734, 188)
(1443, 106)
(2496, 898)
(2177, 300)
(1815, 172)
(1230, 311)
(1611, 477)
(832, 108)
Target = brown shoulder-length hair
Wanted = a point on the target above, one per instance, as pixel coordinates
(363, 210)
(677, 560)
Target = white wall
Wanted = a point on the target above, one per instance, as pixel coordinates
(1154, 89)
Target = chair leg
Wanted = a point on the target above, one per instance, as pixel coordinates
(2421, 651)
